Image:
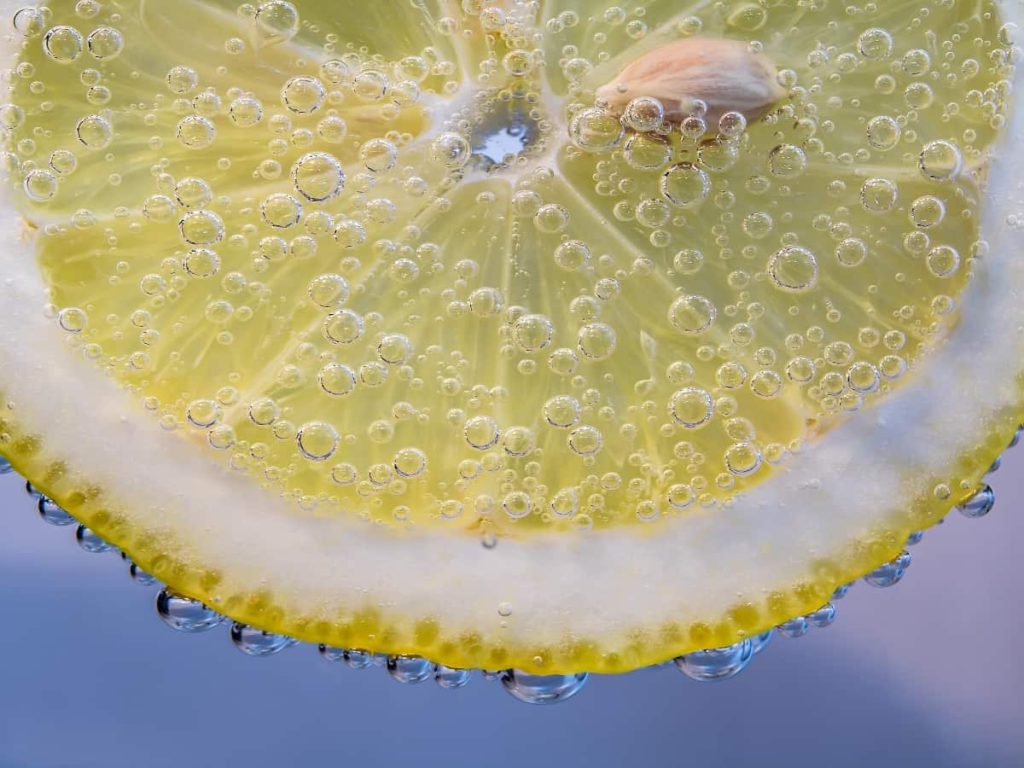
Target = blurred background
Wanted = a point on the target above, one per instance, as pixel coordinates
(926, 673)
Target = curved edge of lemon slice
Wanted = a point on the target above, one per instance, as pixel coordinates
(608, 601)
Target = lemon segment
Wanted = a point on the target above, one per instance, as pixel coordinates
(397, 324)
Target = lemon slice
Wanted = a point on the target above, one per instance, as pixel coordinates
(552, 335)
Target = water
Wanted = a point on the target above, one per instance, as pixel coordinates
(542, 689)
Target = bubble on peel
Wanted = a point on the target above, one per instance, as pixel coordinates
(105, 43)
(370, 85)
(793, 268)
(337, 379)
(94, 132)
(519, 441)
(303, 95)
(692, 314)
(318, 176)
(63, 44)
(276, 22)
(927, 211)
(685, 185)
(594, 130)
(940, 160)
(586, 440)
(691, 407)
(195, 132)
(317, 440)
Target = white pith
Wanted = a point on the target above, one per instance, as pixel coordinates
(602, 584)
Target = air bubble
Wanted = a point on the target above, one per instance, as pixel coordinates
(793, 268)
(685, 185)
(692, 314)
(94, 132)
(317, 440)
(105, 42)
(691, 407)
(940, 161)
(63, 44)
(594, 130)
(318, 176)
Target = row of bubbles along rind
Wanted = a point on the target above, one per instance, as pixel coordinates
(190, 616)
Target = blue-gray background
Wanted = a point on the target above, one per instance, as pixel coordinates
(927, 673)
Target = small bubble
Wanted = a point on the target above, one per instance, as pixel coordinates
(793, 268)
(482, 432)
(572, 255)
(927, 211)
(203, 413)
(317, 440)
(193, 193)
(276, 22)
(410, 462)
(201, 263)
(245, 111)
(685, 185)
(195, 132)
(597, 341)
(337, 379)
(644, 114)
(40, 186)
(181, 79)
(94, 132)
(883, 132)
(692, 314)
(691, 407)
(594, 130)
(328, 290)
(451, 150)
(73, 319)
(586, 440)
(875, 44)
(940, 161)
(263, 412)
(562, 411)
(533, 332)
(343, 327)
(787, 161)
(943, 261)
(281, 211)
(370, 85)
(318, 176)
(303, 94)
(105, 42)
(879, 195)
(851, 252)
(63, 44)
(201, 228)
(378, 155)
(743, 458)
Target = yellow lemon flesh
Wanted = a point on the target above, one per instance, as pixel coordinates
(369, 323)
